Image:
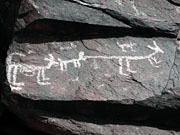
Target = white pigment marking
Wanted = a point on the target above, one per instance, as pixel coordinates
(14, 67)
(125, 46)
(31, 70)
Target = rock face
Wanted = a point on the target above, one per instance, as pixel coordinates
(119, 13)
(96, 67)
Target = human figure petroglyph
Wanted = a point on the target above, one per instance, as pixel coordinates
(125, 46)
(31, 70)
(27, 70)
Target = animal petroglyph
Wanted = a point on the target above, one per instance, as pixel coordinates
(27, 70)
(151, 58)
(125, 46)
(31, 70)
(63, 63)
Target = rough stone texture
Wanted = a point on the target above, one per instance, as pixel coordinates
(108, 69)
(45, 117)
(152, 14)
(96, 67)
(70, 126)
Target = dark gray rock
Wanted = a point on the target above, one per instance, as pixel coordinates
(173, 84)
(95, 79)
(56, 123)
(96, 67)
(157, 15)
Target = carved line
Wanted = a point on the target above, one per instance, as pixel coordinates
(30, 70)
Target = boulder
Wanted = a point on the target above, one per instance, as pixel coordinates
(96, 78)
(95, 67)
(160, 16)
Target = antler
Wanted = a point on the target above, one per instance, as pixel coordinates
(156, 48)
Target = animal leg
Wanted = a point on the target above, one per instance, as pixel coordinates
(75, 64)
(121, 68)
(78, 64)
(41, 75)
(151, 61)
(12, 75)
(128, 67)
(15, 77)
(9, 76)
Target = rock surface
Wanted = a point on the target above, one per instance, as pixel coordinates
(157, 15)
(96, 67)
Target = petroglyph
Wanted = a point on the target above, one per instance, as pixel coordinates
(32, 70)
(125, 46)
(63, 63)
(27, 70)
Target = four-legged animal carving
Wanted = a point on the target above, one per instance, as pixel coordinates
(63, 63)
(125, 46)
(31, 70)
(27, 70)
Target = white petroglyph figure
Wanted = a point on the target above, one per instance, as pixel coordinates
(31, 70)
(125, 46)
(63, 63)
(27, 70)
(151, 58)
